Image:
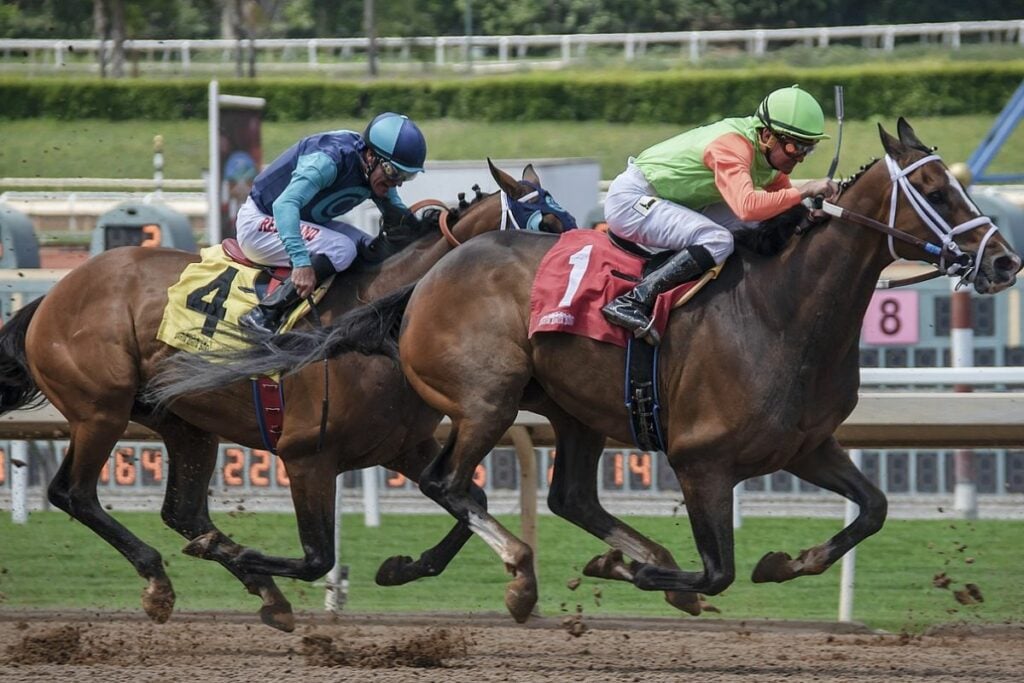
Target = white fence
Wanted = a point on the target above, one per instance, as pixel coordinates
(490, 52)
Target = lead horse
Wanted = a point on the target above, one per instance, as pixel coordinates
(757, 372)
(90, 346)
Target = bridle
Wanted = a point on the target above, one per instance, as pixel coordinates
(524, 213)
(949, 258)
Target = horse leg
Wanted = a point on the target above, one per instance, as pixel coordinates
(401, 569)
(830, 467)
(573, 496)
(707, 490)
(447, 481)
(312, 484)
(73, 490)
(191, 459)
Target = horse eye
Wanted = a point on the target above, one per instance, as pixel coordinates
(937, 197)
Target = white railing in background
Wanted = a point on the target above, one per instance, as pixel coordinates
(488, 52)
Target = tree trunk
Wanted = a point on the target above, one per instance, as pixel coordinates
(108, 23)
(370, 26)
(102, 30)
(117, 37)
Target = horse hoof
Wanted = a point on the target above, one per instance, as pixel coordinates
(611, 565)
(520, 598)
(279, 617)
(394, 571)
(773, 567)
(686, 602)
(200, 545)
(158, 601)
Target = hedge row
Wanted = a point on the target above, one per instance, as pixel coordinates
(671, 97)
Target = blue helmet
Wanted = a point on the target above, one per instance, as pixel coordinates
(397, 139)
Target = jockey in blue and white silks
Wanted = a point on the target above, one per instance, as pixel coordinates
(289, 216)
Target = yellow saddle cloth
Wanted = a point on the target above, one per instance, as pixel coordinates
(203, 307)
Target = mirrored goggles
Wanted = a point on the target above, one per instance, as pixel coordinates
(796, 148)
(395, 174)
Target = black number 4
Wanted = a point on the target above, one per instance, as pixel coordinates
(214, 308)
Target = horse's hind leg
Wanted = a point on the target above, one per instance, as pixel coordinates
(573, 496)
(192, 457)
(402, 569)
(829, 467)
(73, 490)
(312, 482)
(448, 480)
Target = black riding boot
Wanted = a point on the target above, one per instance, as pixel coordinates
(633, 309)
(268, 314)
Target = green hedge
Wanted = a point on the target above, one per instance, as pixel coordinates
(671, 97)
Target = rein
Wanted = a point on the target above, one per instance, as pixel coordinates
(959, 263)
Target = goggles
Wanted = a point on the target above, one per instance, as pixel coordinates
(796, 149)
(395, 174)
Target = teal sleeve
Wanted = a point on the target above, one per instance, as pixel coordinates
(313, 173)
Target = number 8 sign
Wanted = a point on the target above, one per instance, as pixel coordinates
(892, 318)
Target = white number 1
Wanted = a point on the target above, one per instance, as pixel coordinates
(579, 260)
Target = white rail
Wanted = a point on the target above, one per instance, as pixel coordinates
(317, 54)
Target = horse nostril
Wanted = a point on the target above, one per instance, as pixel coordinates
(1008, 263)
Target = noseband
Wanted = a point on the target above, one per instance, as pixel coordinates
(952, 260)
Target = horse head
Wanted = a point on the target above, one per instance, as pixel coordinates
(929, 203)
(517, 205)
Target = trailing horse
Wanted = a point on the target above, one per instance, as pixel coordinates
(757, 371)
(90, 346)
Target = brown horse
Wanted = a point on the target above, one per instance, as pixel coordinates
(90, 345)
(757, 371)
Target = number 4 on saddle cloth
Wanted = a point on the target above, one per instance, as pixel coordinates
(576, 278)
(202, 314)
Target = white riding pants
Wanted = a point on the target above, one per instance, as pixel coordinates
(635, 212)
(257, 235)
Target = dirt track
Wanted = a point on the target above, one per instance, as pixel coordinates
(114, 647)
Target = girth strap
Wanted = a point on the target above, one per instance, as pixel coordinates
(642, 395)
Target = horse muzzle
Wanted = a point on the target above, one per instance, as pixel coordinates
(998, 270)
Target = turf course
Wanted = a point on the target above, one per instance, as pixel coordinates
(54, 562)
(48, 148)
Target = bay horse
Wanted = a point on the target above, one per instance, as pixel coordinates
(756, 372)
(90, 346)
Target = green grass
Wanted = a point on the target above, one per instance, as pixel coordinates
(124, 149)
(55, 562)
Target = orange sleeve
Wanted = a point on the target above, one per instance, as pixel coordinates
(730, 158)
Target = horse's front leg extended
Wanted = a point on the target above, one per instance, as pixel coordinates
(312, 483)
(830, 467)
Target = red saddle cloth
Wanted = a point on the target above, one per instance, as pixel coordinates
(579, 275)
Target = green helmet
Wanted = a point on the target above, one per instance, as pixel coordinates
(794, 112)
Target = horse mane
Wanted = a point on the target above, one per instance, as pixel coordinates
(396, 236)
(769, 237)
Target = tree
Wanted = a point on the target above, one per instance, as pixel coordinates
(108, 22)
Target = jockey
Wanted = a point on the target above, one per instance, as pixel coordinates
(691, 192)
(288, 218)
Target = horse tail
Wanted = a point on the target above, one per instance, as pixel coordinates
(17, 388)
(371, 330)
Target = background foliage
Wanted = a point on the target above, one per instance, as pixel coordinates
(343, 18)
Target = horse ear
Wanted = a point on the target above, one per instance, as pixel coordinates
(530, 175)
(893, 147)
(504, 180)
(908, 137)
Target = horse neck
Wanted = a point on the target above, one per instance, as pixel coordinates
(818, 290)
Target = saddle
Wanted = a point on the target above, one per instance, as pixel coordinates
(264, 286)
(585, 270)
